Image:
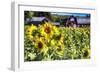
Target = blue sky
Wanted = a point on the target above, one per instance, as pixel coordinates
(69, 14)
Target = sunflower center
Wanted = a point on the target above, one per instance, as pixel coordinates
(28, 31)
(86, 53)
(47, 30)
(40, 45)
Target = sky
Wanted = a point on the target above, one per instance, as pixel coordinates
(69, 14)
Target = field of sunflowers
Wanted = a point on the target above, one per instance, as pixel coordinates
(49, 42)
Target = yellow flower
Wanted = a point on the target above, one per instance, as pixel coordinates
(41, 46)
(86, 53)
(29, 31)
(46, 30)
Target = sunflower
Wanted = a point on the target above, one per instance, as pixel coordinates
(86, 53)
(40, 45)
(46, 30)
(31, 31)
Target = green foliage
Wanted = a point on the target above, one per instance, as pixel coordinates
(77, 42)
(62, 44)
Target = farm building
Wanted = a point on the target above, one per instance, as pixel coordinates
(36, 20)
(80, 21)
(83, 21)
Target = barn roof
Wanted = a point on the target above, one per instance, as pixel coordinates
(83, 20)
(38, 18)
